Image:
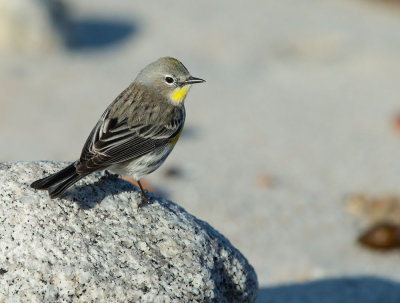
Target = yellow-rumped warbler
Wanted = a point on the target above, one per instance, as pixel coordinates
(137, 131)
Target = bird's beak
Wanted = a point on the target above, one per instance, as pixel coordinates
(192, 80)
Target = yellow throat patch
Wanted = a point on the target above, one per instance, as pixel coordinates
(179, 93)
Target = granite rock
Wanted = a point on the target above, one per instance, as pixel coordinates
(95, 245)
(32, 25)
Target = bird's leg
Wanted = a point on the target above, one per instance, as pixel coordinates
(145, 199)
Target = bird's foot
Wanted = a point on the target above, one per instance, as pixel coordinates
(110, 175)
(144, 200)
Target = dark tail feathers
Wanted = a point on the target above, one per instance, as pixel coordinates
(59, 182)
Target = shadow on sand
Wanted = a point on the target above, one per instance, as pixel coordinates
(94, 33)
(363, 289)
(88, 32)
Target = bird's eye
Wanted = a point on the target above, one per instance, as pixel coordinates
(169, 79)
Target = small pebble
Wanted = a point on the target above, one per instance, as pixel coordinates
(173, 172)
(263, 180)
(383, 236)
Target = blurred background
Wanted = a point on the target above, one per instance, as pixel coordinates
(291, 148)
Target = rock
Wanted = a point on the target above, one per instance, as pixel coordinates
(32, 25)
(95, 245)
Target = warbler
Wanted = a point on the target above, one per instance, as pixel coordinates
(137, 131)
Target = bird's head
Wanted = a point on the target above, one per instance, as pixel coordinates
(169, 77)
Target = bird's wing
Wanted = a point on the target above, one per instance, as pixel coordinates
(112, 141)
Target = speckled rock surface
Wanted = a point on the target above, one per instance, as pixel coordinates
(95, 245)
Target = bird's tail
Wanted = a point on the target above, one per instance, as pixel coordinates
(59, 182)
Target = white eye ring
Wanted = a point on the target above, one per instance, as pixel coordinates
(169, 80)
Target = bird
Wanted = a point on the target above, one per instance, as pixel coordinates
(136, 132)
